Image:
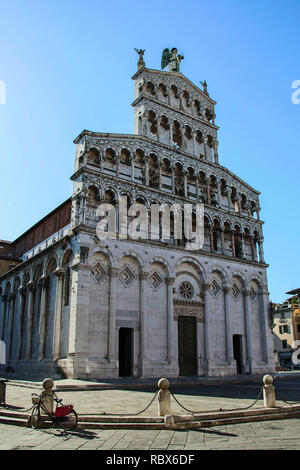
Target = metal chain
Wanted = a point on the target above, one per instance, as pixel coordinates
(287, 402)
(219, 409)
(132, 414)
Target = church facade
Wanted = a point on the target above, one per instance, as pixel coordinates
(80, 306)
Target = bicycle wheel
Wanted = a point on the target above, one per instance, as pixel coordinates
(69, 422)
(35, 417)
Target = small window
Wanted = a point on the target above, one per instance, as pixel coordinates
(284, 344)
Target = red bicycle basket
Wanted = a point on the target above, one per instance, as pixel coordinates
(63, 411)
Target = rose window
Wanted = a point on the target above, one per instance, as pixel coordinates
(186, 290)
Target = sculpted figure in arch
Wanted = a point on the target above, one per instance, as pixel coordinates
(172, 58)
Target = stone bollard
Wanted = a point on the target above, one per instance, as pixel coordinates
(48, 395)
(269, 392)
(163, 397)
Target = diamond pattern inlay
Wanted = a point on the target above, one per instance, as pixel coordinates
(215, 288)
(98, 272)
(155, 280)
(235, 291)
(127, 276)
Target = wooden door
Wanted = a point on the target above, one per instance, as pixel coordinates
(187, 345)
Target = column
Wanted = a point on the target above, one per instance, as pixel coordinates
(219, 195)
(132, 168)
(208, 354)
(233, 244)
(43, 310)
(248, 329)
(117, 161)
(208, 194)
(9, 323)
(143, 316)
(185, 184)
(3, 315)
(112, 315)
(243, 246)
(229, 199)
(197, 188)
(216, 154)
(264, 316)
(172, 180)
(21, 332)
(204, 146)
(211, 238)
(261, 251)
(159, 175)
(194, 143)
(147, 172)
(222, 241)
(229, 341)
(59, 272)
(170, 320)
(29, 324)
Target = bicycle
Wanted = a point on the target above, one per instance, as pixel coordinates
(64, 416)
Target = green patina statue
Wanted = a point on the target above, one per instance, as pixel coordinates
(171, 58)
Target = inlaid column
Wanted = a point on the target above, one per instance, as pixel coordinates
(132, 168)
(59, 272)
(143, 316)
(83, 198)
(216, 154)
(222, 242)
(194, 143)
(159, 175)
(44, 281)
(112, 315)
(185, 187)
(117, 162)
(243, 246)
(29, 314)
(147, 172)
(173, 179)
(208, 353)
(229, 340)
(233, 244)
(170, 319)
(208, 194)
(219, 195)
(204, 146)
(211, 238)
(197, 189)
(247, 307)
(229, 198)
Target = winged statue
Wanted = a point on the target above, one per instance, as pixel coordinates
(171, 58)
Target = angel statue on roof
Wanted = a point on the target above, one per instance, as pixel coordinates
(172, 58)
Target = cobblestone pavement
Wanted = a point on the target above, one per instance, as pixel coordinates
(272, 435)
(269, 435)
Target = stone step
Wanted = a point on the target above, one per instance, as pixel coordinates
(235, 413)
(120, 425)
(234, 420)
(119, 419)
(13, 420)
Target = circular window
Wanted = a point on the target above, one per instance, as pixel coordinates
(186, 290)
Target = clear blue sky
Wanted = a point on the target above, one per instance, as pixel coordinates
(68, 64)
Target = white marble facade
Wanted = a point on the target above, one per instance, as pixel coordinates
(90, 308)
